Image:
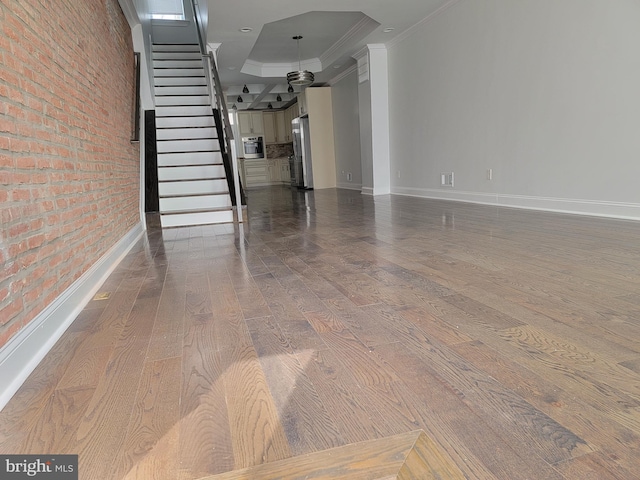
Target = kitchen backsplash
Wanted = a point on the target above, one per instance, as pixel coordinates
(278, 150)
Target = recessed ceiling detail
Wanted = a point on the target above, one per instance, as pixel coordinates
(320, 48)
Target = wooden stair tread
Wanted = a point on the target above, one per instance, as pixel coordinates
(411, 455)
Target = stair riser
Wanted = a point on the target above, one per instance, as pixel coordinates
(196, 187)
(187, 90)
(190, 173)
(173, 122)
(185, 133)
(183, 100)
(178, 72)
(188, 111)
(177, 56)
(177, 63)
(204, 218)
(178, 81)
(201, 202)
(202, 145)
(191, 47)
(181, 159)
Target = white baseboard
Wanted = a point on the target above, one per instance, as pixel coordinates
(24, 351)
(625, 211)
(367, 191)
(349, 186)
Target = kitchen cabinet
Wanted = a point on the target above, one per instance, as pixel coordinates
(280, 127)
(250, 123)
(285, 172)
(275, 130)
(256, 172)
(289, 114)
(262, 172)
(274, 172)
(270, 127)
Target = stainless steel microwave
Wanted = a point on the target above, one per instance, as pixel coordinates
(253, 147)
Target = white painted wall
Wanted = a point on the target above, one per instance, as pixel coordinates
(366, 150)
(544, 92)
(346, 126)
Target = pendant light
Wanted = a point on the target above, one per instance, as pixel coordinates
(301, 77)
(245, 89)
(278, 98)
(290, 89)
(269, 106)
(239, 99)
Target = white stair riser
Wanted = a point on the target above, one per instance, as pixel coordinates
(202, 218)
(182, 90)
(177, 204)
(178, 72)
(169, 122)
(195, 187)
(185, 133)
(183, 100)
(201, 145)
(190, 173)
(177, 63)
(180, 159)
(187, 111)
(187, 47)
(177, 81)
(177, 56)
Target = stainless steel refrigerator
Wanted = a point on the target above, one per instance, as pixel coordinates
(302, 177)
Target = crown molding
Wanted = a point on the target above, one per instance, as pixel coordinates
(342, 75)
(360, 30)
(409, 31)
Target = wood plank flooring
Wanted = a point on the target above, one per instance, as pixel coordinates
(511, 337)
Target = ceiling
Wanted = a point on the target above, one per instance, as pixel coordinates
(332, 31)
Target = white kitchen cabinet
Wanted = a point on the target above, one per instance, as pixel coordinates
(256, 172)
(275, 127)
(270, 127)
(274, 172)
(289, 114)
(285, 172)
(250, 123)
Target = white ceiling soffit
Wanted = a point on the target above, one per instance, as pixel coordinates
(319, 47)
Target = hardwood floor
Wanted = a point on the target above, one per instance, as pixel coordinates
(511, 337)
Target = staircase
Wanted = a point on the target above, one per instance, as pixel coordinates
(192, 184)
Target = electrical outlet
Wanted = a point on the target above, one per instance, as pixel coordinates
(446, 179)
(349, 177)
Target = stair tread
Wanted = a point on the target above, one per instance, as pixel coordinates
(194, 195)
(197, 210)
(193, 179)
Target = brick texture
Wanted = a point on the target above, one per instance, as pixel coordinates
(69, 176)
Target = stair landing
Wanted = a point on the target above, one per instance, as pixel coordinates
(408, 456)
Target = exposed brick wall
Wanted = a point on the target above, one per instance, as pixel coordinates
(69, 176)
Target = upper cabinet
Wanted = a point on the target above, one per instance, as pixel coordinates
(277, 126)
(250, 123)
(270, 134)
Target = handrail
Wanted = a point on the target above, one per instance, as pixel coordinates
(216, 93)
